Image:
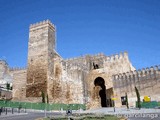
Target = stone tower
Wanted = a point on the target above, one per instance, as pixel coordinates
(40, 53)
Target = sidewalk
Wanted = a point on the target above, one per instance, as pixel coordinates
(10, 114)
(120, 111)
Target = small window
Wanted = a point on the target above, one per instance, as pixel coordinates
(95, 66)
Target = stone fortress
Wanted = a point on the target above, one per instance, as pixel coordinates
(91, 79)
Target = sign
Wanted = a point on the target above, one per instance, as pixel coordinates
(114, 98)
(147, 99)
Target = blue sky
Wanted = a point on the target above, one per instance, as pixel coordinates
(84, 27)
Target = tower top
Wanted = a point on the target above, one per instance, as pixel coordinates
(3, 62)
(41, 23)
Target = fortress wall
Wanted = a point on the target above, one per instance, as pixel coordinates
(118, 63)
(146, 80)
(108, 66)
(19, 84)
(101, 60)
(74, 74)
(86, 62)
(65, 83)
(73, 77)
(81, 59)
(54, 81)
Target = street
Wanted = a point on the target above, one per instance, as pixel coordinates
(28, 116)
(145, 116)
(131, 115)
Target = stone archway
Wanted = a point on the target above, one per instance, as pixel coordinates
(99, 81)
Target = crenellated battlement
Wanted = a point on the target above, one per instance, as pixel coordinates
(139, 73)
(115, 57)
(87, 55)
(75, 58)
(99, 55)
(41, 23)
(17, 68)
(146, 80)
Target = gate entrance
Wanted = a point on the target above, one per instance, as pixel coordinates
(102, 93)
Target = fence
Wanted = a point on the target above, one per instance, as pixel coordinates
(151, 104)
(41, 106)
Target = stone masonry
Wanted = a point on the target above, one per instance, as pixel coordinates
(90, 79)
(146, 80)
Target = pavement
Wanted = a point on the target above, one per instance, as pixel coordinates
(31, 115)
(10, 114)
(121, 110)
(131, 114)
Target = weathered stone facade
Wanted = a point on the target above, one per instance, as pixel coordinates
(40, 54)
(19, 82)
(146, 80)
(91, 79)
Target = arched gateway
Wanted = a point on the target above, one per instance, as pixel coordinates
(104, 94)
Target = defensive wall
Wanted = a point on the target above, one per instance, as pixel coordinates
(147, 81)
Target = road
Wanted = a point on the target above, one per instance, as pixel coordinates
(28, 116)
(35, 115)
(145, 116)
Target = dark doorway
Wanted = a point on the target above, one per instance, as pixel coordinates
(102, 93)
(123, 100)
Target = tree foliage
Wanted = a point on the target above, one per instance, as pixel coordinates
(138, 98)
(127, 101)
(47, 99)
(43, 97)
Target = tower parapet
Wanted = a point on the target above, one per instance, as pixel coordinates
(41, 24)
(3, 62)
(3, 68)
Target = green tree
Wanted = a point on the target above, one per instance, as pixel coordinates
(47, 99)
(138, 98)
(127, 101)
(43, 97)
